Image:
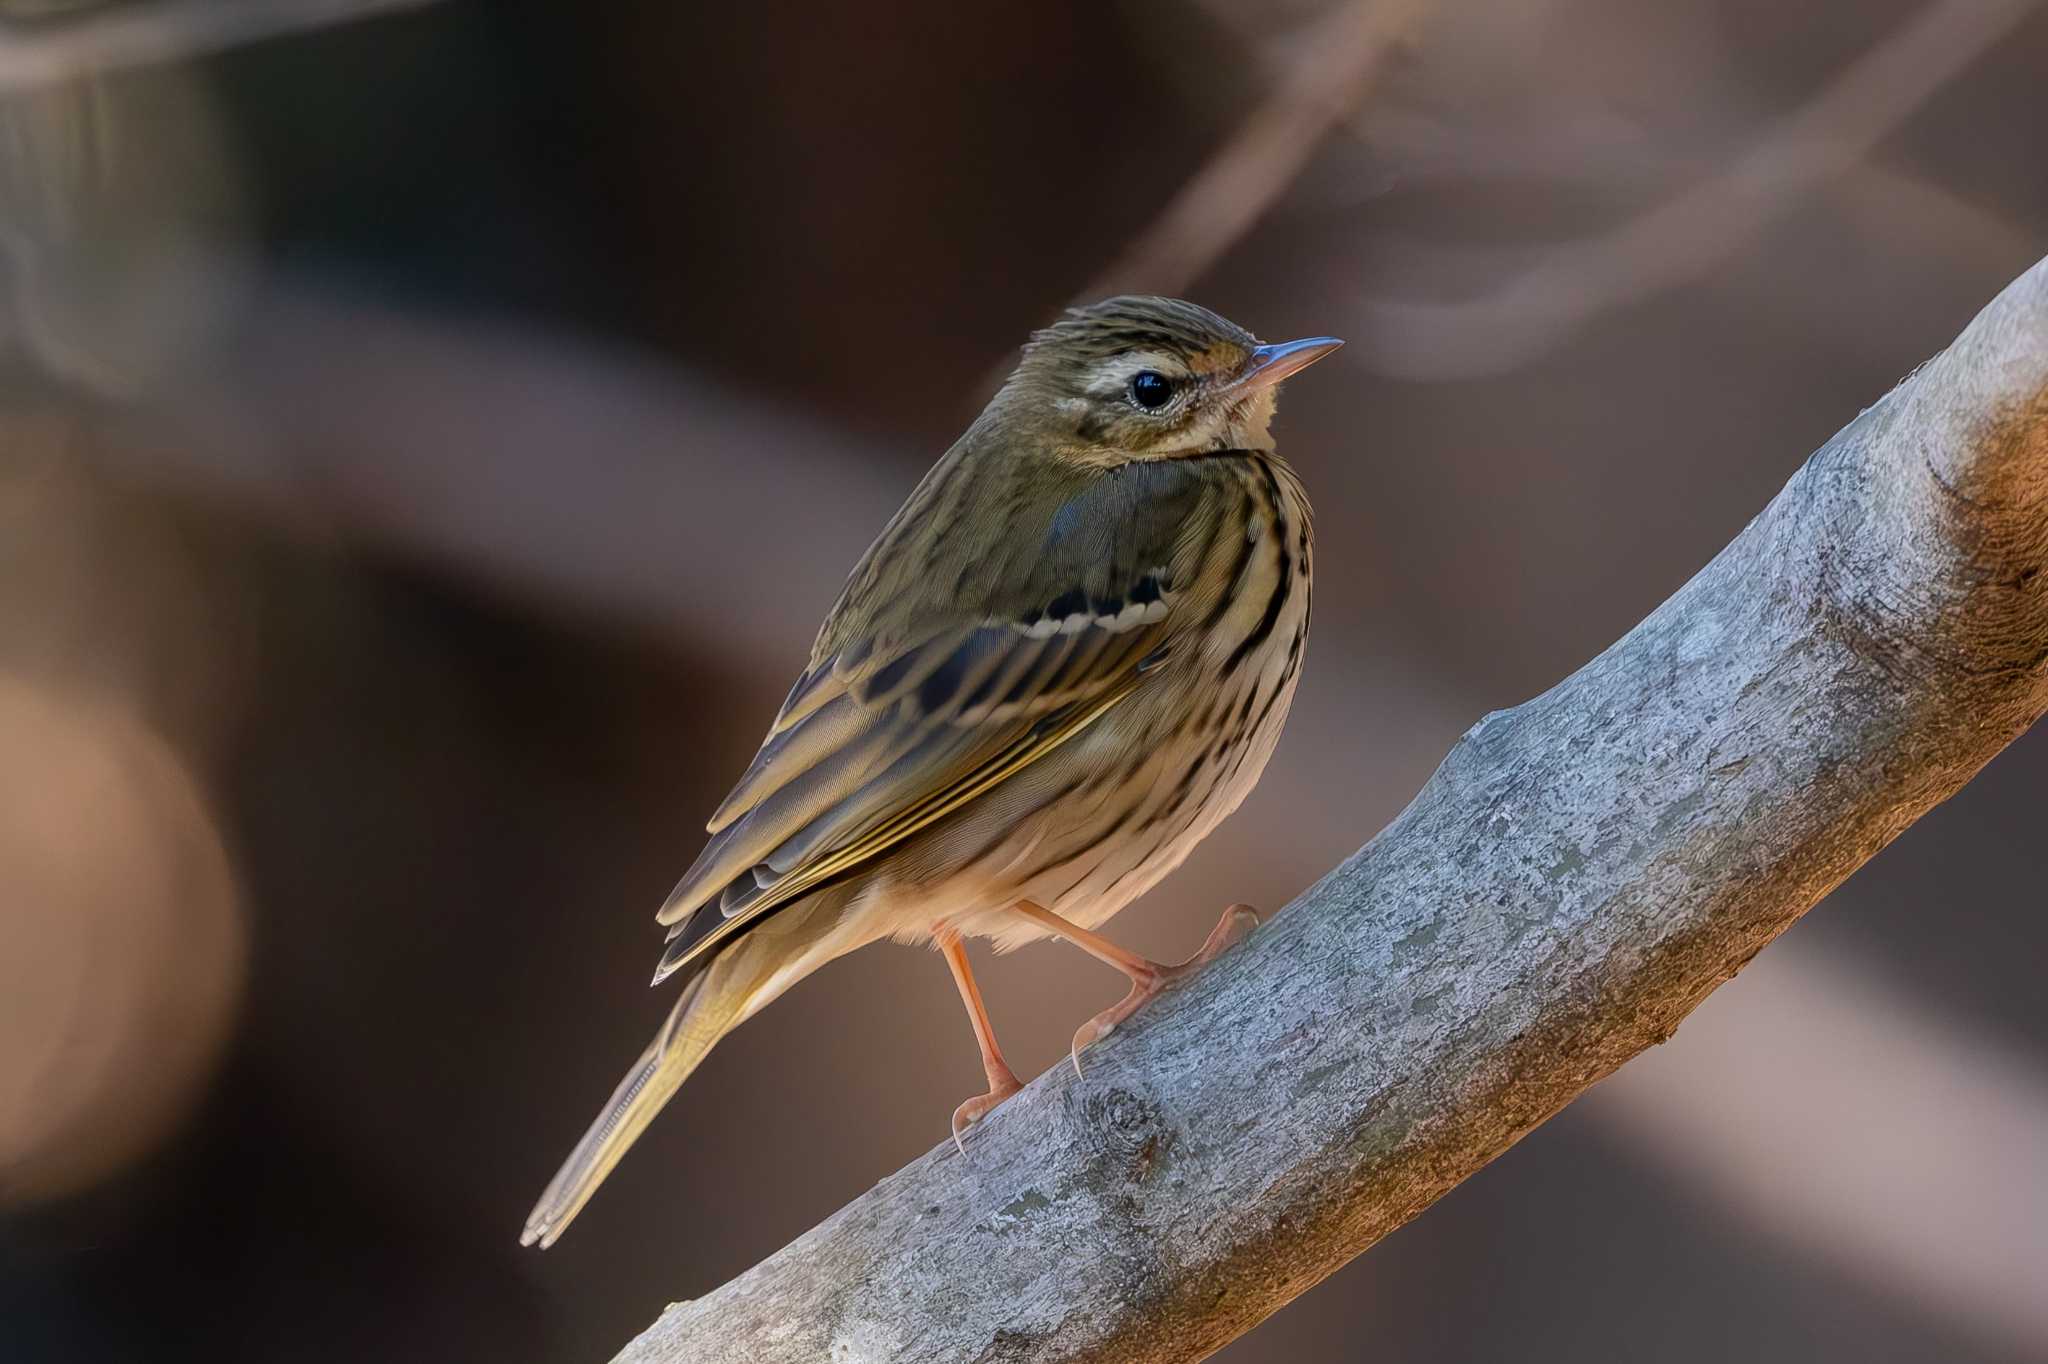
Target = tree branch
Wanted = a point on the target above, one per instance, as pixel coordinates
(1685, 236)
(1233, 190)
(45, 51)
(1579, 874)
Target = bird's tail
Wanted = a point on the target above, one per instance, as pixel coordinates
(739, 980)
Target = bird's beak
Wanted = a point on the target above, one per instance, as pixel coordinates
(1270, 364)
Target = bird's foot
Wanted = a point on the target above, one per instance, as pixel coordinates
(1149, 978)
(1000, 1087)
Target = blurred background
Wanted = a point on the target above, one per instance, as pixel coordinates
(430, 432)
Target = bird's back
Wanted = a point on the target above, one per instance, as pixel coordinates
(1172, 593)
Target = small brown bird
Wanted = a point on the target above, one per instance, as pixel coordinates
(1066, 659)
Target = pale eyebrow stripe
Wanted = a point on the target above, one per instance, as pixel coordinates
(1109, 374)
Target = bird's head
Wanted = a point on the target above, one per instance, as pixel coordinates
(1138, 377)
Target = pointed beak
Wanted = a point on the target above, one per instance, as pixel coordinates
(1270, 364)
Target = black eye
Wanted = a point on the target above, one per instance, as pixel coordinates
(1150, 389)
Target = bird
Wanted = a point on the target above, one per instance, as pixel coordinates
(1065, 659)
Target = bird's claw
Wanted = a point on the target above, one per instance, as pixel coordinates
(1236, 924)
(977, 1108)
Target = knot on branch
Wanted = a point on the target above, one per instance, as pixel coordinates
(1129, 1131)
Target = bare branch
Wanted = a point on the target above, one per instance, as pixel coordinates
(1580, 873)
(383, 449)
(1688, 234)
(120, 37)
(1240, 182)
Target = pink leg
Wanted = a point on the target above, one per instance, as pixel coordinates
(1148, 978)
(1002, 1081)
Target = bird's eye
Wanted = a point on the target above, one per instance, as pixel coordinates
(1150, 389)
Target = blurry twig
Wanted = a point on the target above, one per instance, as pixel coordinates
(1905, 205)
(589, 457)
(1933, 1209)
(118, 37)
(1685, 236)
(1258, 163)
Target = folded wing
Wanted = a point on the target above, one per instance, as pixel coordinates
(865, 755)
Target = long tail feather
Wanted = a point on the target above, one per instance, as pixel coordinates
(724, 993)
(684, 1041)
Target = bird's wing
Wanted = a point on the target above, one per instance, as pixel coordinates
(898, 724)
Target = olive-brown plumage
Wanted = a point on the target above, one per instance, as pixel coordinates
(1064, 661)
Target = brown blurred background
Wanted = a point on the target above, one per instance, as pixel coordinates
(427, 443)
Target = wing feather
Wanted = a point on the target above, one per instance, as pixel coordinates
(902, 746)
(694, 937)
(923, 694)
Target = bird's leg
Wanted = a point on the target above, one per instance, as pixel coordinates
(1002, 1081)
(1148, 977)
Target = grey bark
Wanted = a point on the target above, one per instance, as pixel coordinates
(1578, 875)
